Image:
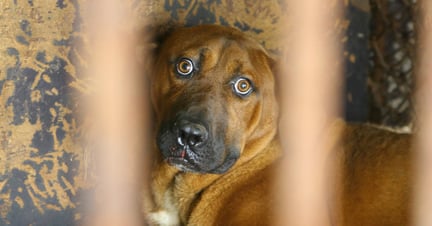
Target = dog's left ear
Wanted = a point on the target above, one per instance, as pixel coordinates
(273, 60)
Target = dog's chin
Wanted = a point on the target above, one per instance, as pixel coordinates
(181, 158)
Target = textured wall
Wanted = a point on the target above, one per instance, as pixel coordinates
(41, 160)
(39, 86)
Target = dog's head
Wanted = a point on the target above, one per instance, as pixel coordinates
(213, 95)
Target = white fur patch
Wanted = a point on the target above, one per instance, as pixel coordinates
(169, 215)
(164, 218)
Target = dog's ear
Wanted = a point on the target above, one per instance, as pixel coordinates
(151, 38)
(273, 61)
(274, 64)
(273, 58)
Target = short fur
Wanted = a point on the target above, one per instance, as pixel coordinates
(243, 145)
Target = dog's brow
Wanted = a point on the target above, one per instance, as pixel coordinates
(188, 54)
(239, 67)
(207, 57)
(204, 54)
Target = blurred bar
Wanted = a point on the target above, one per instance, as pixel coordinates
(423, 191)
(117, 114)
(311, 88)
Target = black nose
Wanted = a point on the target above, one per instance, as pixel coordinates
(192, 134)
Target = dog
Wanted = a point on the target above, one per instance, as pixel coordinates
(217, 146)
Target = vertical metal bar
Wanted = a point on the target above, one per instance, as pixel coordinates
(117, 113)
(311, 81)
(423, 185)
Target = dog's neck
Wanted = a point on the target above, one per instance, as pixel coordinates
(185, 187)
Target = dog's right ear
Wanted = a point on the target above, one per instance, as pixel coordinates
(150, 40)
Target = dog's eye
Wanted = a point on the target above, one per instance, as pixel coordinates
(242, 87)
(185, 67)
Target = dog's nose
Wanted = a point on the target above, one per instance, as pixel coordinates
(192, 134)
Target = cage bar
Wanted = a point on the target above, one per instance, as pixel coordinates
(117, 114)
(311, 80)
(423, 166)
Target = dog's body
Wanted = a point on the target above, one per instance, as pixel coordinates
(217, 144)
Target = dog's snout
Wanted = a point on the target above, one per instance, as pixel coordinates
(192, 134)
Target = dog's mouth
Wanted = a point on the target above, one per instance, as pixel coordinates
(182, 157)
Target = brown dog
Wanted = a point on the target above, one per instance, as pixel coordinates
(213, 94)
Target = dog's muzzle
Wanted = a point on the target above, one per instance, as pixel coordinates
(185, 144)
(193, 146)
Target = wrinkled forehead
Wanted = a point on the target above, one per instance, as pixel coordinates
(214, 38)
(228, 50)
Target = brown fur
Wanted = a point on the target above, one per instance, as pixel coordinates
(375, 162)
(376, 176)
